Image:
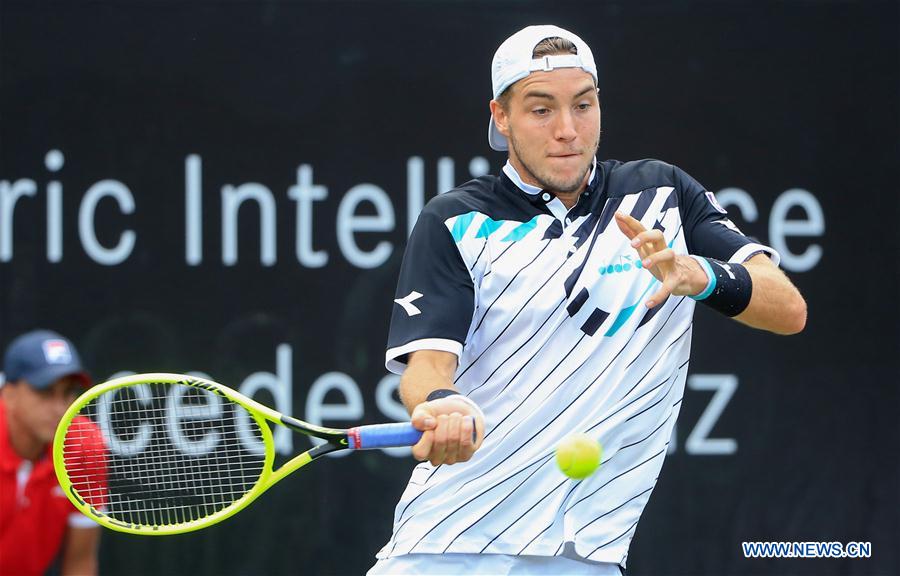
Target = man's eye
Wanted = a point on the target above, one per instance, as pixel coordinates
(541, 111)
(584, 106)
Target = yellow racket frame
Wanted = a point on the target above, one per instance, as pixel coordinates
(260, 413)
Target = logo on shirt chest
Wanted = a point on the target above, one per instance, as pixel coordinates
(620, 264)
(609, 287)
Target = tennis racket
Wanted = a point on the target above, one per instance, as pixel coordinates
(164, 454)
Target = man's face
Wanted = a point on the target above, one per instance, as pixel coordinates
(38, 412)
(552, 123)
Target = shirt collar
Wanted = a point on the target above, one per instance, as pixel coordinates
(513, 175)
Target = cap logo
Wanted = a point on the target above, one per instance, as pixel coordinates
(57, 352)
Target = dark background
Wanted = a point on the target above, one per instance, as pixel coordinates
(762, 96)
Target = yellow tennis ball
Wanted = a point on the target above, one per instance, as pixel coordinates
(578, 455)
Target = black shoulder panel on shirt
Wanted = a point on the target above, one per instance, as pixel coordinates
(487, 195)
(624, 178)
(707, 230)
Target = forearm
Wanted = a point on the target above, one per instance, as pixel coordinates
(427, 370)
(79, 557)
(81, 566)
(775, 303)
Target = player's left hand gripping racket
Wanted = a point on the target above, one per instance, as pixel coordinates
(168, 453)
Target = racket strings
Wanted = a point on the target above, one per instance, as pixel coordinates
(163, 454)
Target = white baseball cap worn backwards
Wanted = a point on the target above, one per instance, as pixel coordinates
(513, 61)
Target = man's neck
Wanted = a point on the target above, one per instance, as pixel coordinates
(569, 199)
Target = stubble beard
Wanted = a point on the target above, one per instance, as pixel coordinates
(548, 181)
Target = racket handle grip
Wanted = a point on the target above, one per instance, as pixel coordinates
(382, 436)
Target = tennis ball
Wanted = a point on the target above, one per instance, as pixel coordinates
(578, 456)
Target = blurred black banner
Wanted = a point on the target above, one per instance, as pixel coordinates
(226, 188)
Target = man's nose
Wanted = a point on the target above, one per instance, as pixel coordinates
(565, 126)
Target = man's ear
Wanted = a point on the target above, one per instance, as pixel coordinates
(501, 118)
(8, 391)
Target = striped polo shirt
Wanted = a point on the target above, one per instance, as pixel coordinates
(544, 307)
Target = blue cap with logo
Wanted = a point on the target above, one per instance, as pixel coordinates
(42, 357)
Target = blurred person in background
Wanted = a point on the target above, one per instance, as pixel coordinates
(38, 524)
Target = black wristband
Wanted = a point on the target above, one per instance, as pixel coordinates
(731, 296)
(440, 393)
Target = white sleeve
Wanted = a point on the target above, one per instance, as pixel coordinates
(79, 520)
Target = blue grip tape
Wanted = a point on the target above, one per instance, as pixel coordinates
(382, 436)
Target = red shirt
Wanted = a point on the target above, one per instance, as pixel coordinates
(34, 511)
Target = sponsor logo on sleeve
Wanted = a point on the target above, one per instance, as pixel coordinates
(407, 303)
(715, 203)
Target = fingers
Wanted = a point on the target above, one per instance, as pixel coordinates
(439, 448)
(665, 290)
(646, 242)
(452, 425)
(423, 419)
(423, 447)
(455, 439)
(658, 259)
(629, 226)
(468, 434)
(663, 260)
(453, 431)
(625, 226)
(650, 240)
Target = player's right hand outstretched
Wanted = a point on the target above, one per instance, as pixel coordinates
(453, 430)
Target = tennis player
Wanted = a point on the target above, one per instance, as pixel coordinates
(555, 298)
(38, 524)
